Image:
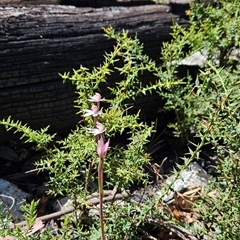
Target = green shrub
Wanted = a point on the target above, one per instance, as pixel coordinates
(206, 112)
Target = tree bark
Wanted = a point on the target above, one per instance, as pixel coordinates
(38, 42)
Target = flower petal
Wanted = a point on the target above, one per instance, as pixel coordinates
(94, 108)
(100, 127)
(102, 147)
(106, 145)
(96, 98)
(88, 113)
(93, 112)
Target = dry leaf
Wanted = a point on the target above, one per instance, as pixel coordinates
(176, 214)
(38, 225)
(8, 237)
(184, 201)
(212, 194)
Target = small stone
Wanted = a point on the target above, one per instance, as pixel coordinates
(197, 59)
(192, 177)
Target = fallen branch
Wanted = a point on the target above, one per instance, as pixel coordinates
(71, 209)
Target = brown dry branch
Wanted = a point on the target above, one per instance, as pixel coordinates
(71, 209)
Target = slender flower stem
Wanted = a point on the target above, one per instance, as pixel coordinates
(95, 119)
(100, 186)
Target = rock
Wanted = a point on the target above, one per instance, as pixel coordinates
(197, 59)
(200, 58)
(11, 198)
(192, 177)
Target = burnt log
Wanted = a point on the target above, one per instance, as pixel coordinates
(39, 42)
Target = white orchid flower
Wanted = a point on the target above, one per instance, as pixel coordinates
(100, 128)
(96, 98)
(93, 112)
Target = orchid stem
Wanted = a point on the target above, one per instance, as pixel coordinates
(100, 186)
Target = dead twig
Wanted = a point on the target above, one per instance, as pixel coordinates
(70, 209)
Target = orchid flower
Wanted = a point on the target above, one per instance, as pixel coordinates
(96, 98)
(102, 147)
(93, 112)
(100, 128)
